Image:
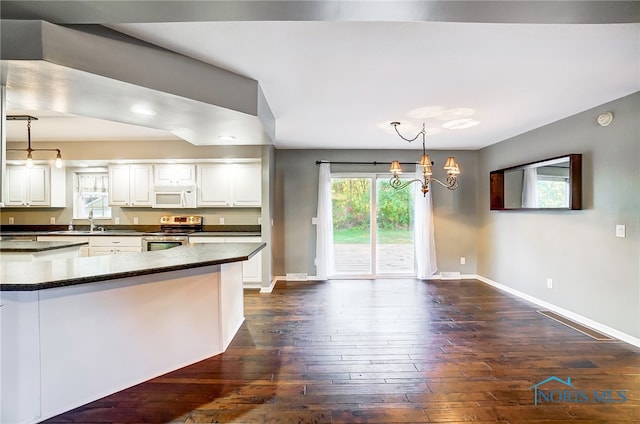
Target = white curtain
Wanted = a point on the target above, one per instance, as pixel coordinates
(93, 183)
(324, 225)
(529, 194)
(424, 238)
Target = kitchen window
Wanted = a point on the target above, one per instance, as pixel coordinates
(91, 193)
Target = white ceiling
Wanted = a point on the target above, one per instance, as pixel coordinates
(337, 84)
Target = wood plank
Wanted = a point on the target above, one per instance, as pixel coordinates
(384, 351)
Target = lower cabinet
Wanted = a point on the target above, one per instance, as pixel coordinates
(111, 245)
(251, 269)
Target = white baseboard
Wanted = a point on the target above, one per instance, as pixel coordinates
(271, 286)
(451, 276)
(571, 315)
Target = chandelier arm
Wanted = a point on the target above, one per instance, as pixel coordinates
(451, 184)
(399, 184)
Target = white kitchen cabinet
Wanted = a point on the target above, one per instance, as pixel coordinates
(196, 240)
(40, 185)
(130, 185)
(174, 175)
(111, 245)
(251, 269)
(213, 185)
(229, 185)
(247, 184)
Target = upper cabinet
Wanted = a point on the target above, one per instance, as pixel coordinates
(40, 185)
(229, 185)
(174, 175)
(247, 184)
(130, 185)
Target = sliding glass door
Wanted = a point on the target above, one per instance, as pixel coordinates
(372, 227)
(394, 230)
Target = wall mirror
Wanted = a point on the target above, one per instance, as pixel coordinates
(554, 183)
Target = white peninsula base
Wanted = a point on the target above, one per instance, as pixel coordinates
(64, 347)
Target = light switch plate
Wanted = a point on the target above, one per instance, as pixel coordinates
(621, 231)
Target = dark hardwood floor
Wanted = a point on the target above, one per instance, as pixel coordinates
(390, 351)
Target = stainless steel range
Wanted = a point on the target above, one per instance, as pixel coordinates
(174, 232)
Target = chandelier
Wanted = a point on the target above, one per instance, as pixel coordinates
(451, 166)
(30, 150)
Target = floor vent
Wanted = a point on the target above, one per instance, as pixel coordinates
(296, 276)
(578, 327)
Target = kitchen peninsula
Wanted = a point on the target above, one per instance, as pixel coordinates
(19, 250)
(75, 330)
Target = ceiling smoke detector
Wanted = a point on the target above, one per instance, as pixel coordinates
(605, 119)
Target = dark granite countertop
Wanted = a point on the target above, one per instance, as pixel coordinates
(11, 246)
(225, 234)
(136, 230)
(39, 275)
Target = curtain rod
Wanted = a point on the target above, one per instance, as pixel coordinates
(318, 162)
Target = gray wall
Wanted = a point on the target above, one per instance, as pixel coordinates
(297, 194)
(594, 273)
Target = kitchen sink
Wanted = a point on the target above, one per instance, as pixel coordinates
(72, 232)
(93, 232)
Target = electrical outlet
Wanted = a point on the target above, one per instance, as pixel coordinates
(314, 221)
(11, 220)
(135, 220)
(463, 260)
(259, 221)
(117, 220)
(52, 220)
(621, 231)
(549, 283)
(221, 221)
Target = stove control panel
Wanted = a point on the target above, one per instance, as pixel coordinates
(181, 220)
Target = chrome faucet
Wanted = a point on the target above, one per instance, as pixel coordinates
(91, 223)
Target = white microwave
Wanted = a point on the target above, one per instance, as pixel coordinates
(174, 197)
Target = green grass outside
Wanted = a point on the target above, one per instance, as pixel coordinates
(357, 236)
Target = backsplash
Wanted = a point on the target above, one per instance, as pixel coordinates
(127, 216)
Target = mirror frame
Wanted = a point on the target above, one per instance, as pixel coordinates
(496, 185)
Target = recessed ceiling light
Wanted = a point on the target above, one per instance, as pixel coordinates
(460, 124)
(142, 110)
(226, 137)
